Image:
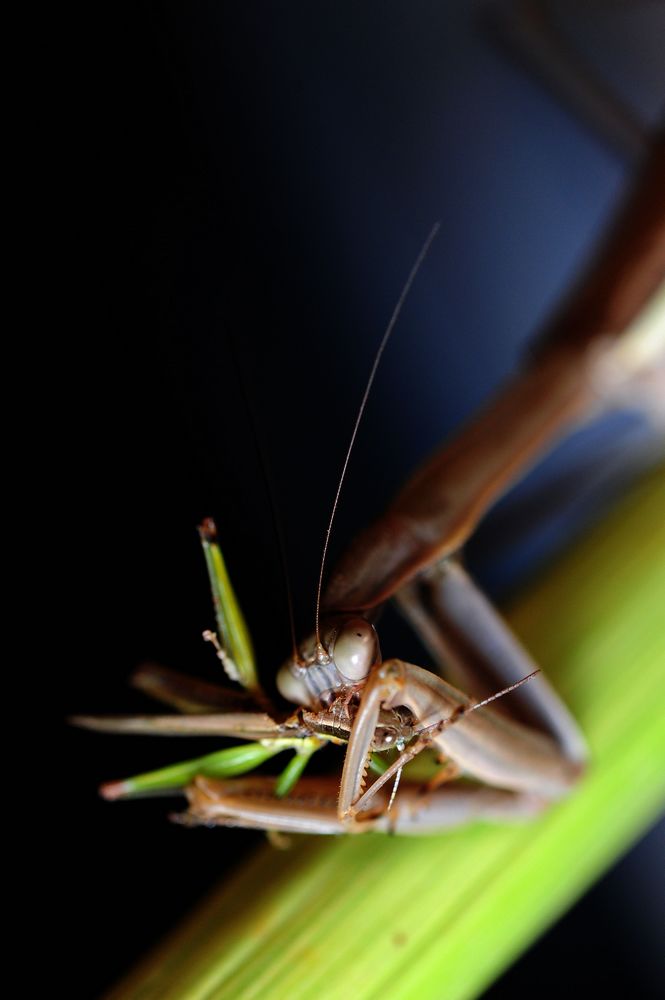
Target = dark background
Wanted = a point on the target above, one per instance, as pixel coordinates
(263, 175)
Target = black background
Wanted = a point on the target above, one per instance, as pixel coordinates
(263, 175)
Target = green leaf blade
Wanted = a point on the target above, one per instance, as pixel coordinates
(236, 644)
(227, 763)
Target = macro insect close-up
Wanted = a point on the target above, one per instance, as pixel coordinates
(374, 688)
(346, 693)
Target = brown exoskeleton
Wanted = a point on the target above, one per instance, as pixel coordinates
(593, 357)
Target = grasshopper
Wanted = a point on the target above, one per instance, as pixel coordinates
(514, 758)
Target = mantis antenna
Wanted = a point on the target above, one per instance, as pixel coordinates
(321, 654)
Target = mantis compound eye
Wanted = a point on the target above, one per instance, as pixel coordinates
(291, 685)
(355, 649)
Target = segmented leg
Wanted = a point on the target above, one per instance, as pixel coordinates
(245, 725)
(491, 748)
(473, 646)
(312, 807)
(188, 694)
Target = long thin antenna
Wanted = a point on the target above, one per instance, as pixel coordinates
(320, 652)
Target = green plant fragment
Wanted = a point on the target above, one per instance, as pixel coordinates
(236, 653)
(227, 763)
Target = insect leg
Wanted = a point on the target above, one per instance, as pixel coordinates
(245, 725)
(471, 643)
(485, 745)
(188, 694)
(250, 803)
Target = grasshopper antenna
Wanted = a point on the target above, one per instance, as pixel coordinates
(321, 654)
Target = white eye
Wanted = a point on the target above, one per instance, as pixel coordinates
(290, 687)
(355, 649)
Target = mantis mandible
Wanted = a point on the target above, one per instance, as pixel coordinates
(590, 359)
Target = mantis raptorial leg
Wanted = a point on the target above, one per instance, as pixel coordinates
(589, 360)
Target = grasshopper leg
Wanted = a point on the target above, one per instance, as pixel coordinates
(186, 693)
(244, 725)
(250, 803)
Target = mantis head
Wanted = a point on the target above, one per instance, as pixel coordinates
(348, 649)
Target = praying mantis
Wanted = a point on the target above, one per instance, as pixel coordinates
(515, 755)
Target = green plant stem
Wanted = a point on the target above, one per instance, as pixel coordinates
(374, 916)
